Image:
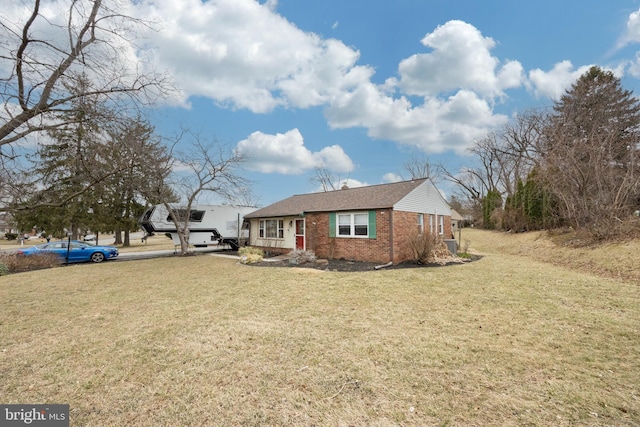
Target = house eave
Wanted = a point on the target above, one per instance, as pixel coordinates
(302, 214)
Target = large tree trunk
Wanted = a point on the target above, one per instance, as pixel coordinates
(118, 236)
(184, 241)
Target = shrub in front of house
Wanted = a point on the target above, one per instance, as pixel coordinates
(250, 255)
(427, 248)
(464, 252)
(300, 257)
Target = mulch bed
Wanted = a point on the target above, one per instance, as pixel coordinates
(348, 266)
(331, 265)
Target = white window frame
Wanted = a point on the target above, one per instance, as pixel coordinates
(263, 228)
(431, 228)
(420, 223)
(351, 217)
(441, 225)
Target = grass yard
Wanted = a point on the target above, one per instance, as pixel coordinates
(514, 338)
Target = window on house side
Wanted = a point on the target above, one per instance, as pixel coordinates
(420, 223)
(271, 228)
(441, 224)
(353, 225)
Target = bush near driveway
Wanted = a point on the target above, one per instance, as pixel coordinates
(19, 263)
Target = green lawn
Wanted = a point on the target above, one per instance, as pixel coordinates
(504, 340)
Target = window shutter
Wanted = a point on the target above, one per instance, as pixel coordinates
(332, 224)
(372, 224)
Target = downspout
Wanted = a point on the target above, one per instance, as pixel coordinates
(391, 234)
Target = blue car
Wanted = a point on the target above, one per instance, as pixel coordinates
(78, 252)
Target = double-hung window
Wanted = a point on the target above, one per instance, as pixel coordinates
(353, 224)
(420, 223)
(271, 228)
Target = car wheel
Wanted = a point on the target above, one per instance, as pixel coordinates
(97, 257)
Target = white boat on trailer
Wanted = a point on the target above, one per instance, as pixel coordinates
(209, 225)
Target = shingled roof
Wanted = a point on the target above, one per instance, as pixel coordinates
(370, 197)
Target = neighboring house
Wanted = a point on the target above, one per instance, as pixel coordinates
(7, 224)
(373, 223)
(456, 220)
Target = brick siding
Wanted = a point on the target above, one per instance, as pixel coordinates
(353, 249)
(372, 250)
(405, 227)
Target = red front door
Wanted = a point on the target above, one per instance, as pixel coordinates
(300, 234)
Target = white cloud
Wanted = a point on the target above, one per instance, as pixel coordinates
(461, 59)
(435, 126)
(333, 158)
(286, 154)
(632, 33)
(391, 177)
(244, 55)
(634, 66)
(554, 83)
(458, 81)
(271, 4)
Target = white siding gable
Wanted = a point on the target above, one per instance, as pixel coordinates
(424, 199)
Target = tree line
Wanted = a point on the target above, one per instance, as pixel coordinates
(76, 152)
(575, 165)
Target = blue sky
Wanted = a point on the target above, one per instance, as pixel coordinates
(361, 86)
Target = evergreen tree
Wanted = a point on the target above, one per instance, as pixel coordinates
(590, 156)
(530, 207)
(93, 173)
(491, 202)
(65, 169)
(132, 145)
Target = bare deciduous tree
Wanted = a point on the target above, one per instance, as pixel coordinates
(51, 63)
(421, 167)
(42, 57)
(327, 180)
(504, 158)
(206, 167)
